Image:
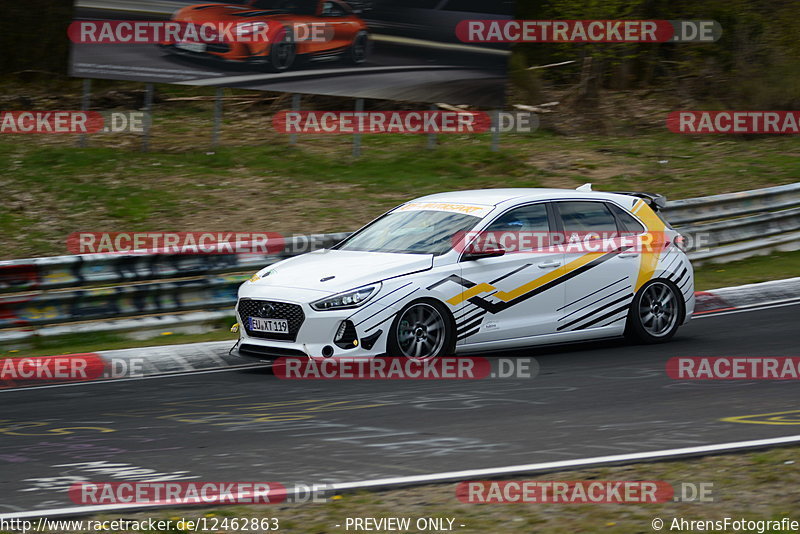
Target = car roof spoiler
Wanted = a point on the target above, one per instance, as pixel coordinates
(654, 200)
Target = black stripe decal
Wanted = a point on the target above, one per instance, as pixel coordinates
(672, 261)
(684, 283)
(388, 306)
(497, 307)
(452, 278)
(515, 271)
(592, 293)
(379, 299)
(612, 321)
(677, 280)
(464, 336)
(687, 294)
(465, 310)
(595, 302)
(594, 312)
(460, 322)
(469, 327)
(376, 325)
(604, 316)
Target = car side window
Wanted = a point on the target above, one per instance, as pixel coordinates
(522, 228)
(332, 9)
(627, 223)
(580, 218)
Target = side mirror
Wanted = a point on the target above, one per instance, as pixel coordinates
(484, 253)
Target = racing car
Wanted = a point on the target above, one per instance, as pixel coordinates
(473, 271)
(294, 31)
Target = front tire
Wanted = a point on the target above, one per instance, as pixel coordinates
(656, 313)
(282, 53)
(358, 51)
(422, 330)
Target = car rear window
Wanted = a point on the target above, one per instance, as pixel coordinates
(628, 224)
(586, 217)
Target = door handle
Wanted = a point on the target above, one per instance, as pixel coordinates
(628, 255)
(548, 264)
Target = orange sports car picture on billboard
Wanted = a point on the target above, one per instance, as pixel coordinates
(285, 33)
(380, 49)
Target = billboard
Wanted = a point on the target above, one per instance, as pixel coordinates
(405, 51)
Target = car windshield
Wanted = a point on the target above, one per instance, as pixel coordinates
(412, 232)
(302, 7)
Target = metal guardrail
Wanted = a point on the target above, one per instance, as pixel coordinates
(727, 205)
(739, 225)
(56, 295)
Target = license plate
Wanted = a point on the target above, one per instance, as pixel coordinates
(269, 326)
(192, 47)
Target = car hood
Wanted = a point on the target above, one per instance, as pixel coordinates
(228, 12)
(340, 269)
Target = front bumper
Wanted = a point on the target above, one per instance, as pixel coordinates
(316, 335)
(231, 53)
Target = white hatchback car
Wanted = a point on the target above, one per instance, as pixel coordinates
(476, 271)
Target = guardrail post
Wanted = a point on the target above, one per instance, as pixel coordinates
(85, 99)
(217, 118)
(148, 119)
(495, 130)
(295, 108)
(432, 136)
(357, 137)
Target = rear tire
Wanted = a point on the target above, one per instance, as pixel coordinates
(423, 330)
(656, 312)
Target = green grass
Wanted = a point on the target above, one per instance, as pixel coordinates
(258, 182)
(775, 266)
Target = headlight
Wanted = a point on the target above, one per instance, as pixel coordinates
(348, 299)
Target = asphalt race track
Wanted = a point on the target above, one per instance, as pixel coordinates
(424, 75)
(588, 400)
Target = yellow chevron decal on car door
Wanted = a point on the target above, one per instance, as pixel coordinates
(649, 257)
(471, 292)
(549, 277)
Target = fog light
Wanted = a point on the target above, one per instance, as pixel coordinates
(346, 336)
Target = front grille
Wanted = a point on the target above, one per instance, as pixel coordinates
(293, 313)
(219, 48)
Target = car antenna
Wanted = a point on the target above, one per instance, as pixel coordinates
(584, 187)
